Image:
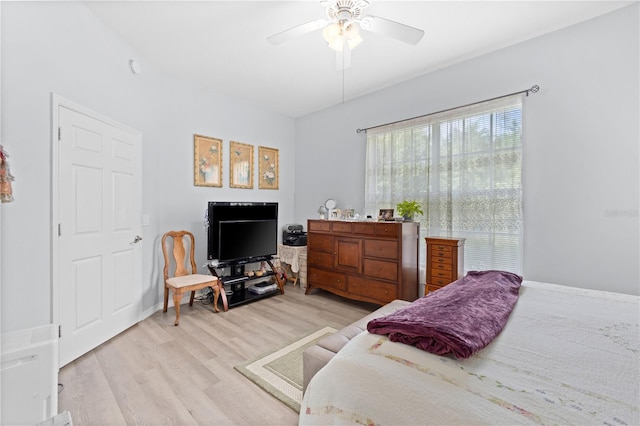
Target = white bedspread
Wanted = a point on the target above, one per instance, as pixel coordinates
(566, 356)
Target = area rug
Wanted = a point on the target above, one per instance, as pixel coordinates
(279, 371)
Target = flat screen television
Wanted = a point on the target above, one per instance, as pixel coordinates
(247, 240)
(249, 232)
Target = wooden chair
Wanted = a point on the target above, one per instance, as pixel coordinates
(183, 281)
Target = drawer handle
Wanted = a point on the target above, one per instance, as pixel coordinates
(379, 268)
(441, 254)
(379, 248)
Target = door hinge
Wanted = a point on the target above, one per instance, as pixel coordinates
(59, 331)
(59, 229)
(59, 133)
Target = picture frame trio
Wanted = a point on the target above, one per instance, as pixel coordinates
(208, 157)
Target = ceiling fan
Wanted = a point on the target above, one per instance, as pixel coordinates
(342, 27)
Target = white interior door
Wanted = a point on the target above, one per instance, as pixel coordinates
(99, 194)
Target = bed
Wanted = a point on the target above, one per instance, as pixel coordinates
(565, 356)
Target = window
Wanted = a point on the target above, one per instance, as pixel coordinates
(464, 167)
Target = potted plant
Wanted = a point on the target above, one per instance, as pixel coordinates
(408, 209)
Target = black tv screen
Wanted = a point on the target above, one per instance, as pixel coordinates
(219, 211)
(247, 240)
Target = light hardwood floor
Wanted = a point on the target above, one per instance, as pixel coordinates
(157, 374)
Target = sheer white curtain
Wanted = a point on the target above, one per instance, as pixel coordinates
(464, 167)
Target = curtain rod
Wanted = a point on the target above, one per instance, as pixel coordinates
(533, 89)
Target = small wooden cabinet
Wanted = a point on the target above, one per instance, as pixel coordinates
(370, 261)
(445, 262)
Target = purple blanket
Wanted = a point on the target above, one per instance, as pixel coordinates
(460, 318)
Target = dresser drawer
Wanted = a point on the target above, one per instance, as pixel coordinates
(441, 253)
(320, 258)
(341, 227)
(431, 287)
(320, 242)
(325, 278)
(441, 247)
(381, 269)
(387, 229)
(441, 274)
(440, 260)
(364, 228)
(318, 226)
(378, 290)
(446, 266)
(381, 248)
(439, 281)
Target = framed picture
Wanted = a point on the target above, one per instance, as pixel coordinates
(240, 165)
(385, 214)
(207, 168)
(268, 168)
(334, 214)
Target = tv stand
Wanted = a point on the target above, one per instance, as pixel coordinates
(242, 295)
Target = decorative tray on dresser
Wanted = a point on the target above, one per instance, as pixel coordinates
(445, 262)
(369, 261)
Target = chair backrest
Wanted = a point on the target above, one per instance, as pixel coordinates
(179, 253)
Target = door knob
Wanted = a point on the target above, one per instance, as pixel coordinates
(137, 239)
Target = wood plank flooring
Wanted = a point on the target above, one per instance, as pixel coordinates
(157, 374)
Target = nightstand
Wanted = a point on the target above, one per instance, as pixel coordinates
(445, 262)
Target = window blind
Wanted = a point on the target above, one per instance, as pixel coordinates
(464, 167)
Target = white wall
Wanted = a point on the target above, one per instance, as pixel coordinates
(580, 168)
(60, 47)
(581, 139)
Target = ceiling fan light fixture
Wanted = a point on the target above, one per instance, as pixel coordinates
(331, 32)
(337, 34)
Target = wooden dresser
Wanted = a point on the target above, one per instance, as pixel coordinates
(445, 262)
(369, 261)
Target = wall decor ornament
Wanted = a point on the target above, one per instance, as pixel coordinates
(240, 165)
(268, 168)
(6, 192)
(208, 161)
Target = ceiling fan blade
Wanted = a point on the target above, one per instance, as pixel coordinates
(297, 31)
(392, 29)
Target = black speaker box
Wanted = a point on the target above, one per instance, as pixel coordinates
(238, 292)
(237, 270)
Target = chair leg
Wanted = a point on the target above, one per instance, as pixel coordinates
(177, 296)
(166, 299)
(216, 296)
(193, 295)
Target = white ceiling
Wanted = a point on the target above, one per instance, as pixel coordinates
(222, 44)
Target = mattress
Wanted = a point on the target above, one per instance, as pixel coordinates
(566, 356)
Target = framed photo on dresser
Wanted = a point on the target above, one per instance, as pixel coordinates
(385, 214)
